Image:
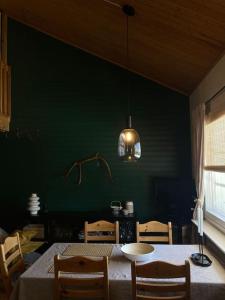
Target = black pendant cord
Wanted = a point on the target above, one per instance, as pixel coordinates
(128, 11)
(128, 74)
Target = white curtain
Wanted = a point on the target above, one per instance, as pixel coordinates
(197, 120)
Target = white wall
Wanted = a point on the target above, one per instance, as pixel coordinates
(211, 84)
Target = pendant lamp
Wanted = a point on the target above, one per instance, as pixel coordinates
(129, 146)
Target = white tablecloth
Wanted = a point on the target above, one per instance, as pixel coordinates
(206, 283)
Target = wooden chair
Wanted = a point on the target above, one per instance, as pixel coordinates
(11, 261)
(101, 231)
(156, 289)
(154, 231)
(91, 286)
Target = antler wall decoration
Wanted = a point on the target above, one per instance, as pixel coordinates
(79, 164)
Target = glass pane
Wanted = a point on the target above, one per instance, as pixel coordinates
(214, 183)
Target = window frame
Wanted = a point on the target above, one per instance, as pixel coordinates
(209, 216)
(215, 221)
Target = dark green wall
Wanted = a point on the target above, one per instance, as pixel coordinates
(78, 103)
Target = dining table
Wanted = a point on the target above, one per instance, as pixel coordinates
(37, 282)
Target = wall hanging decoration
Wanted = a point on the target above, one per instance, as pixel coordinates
(129, 146)
(79, 163)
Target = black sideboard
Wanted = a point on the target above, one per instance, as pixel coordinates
(67, 226)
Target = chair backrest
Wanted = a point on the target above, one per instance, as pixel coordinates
(101, 231)
(11, 261)
(90, 286)
(153, 288)
(154, 231)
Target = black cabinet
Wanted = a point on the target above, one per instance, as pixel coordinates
(127, 227)
(67, 226)
(127, 230)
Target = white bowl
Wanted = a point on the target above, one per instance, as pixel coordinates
(138, 251)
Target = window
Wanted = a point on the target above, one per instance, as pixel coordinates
(215, 198)
(214, 169)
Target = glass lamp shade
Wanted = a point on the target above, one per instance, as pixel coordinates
(129, 146)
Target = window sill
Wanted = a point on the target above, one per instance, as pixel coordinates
(214, 234)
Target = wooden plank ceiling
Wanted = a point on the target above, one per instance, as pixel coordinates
(173, 42)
